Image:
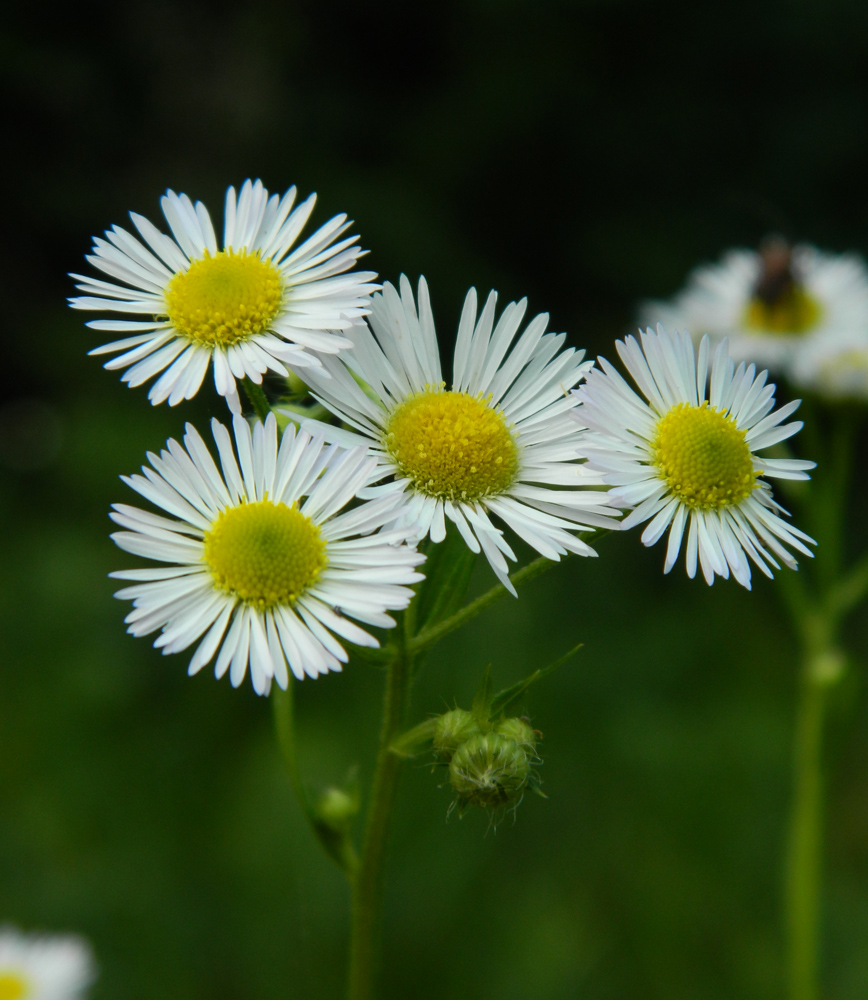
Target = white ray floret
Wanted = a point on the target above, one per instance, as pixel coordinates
(772, 304)
(44, 966)
(260, 563)
(251, 305)
(499, 442)
(684, 454)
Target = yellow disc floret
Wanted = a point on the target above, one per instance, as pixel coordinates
(224, 298)
(704, 457)
(793, 312)
(265, 553)
(13, 986)
(452, 445)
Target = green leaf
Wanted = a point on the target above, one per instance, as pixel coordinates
(503, 699)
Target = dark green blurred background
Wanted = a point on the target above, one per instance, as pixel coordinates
(586, 155)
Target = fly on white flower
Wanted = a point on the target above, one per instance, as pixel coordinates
(772, 303)
(259, 557)
(499, 441)
(251, 306)
(686, 458)
(44, 966)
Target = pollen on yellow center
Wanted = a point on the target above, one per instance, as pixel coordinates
(265, 553)
(452, 445)
(704, 457)
(795, 311)
(13, 986)
(224, 298)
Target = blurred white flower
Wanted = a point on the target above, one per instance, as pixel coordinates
(44, 966)
(246, 308)
(771, 304)
(834, 365)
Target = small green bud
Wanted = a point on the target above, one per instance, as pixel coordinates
(488, 770)
(335, 809)
(519, 730)
(451, 730)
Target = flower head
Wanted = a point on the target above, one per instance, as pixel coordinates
(498, 442)
(253, 305)
(261, 565)
(43, 967)
(770, 303)
(685, 457)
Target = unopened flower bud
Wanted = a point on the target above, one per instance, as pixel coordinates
(488, 770)
(519, 730)
(335, 809)
(451, 730)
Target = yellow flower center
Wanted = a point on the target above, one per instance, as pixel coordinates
(451, 445)
(265, 553)
(13, 986)
(223, 299)
(795, 311)
(703, 457)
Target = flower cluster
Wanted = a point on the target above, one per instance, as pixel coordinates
(277, 558)
(490, 762)
(799, 311)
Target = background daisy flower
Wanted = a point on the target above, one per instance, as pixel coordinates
(43, 966)
(686, 458)
(772, 303)
(259, 559)
(499, 441)
(251, 306)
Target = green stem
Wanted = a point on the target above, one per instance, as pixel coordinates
(335, 842)
(817, 616)
(258, 399)
(284, 724)
(429, 636)
(804, 868)
(367, 902)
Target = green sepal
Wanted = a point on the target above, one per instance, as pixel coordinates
(481, 709)
(409, 743)
(503, 699)
(448, 568)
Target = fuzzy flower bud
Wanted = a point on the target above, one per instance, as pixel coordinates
(488, 770)
(451, 730)
(521, 731)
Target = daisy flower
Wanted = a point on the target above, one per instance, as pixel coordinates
(685, 457)
(43, 967)
(498, 442)
(771, 303)
(259, 563)
(256, 304)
